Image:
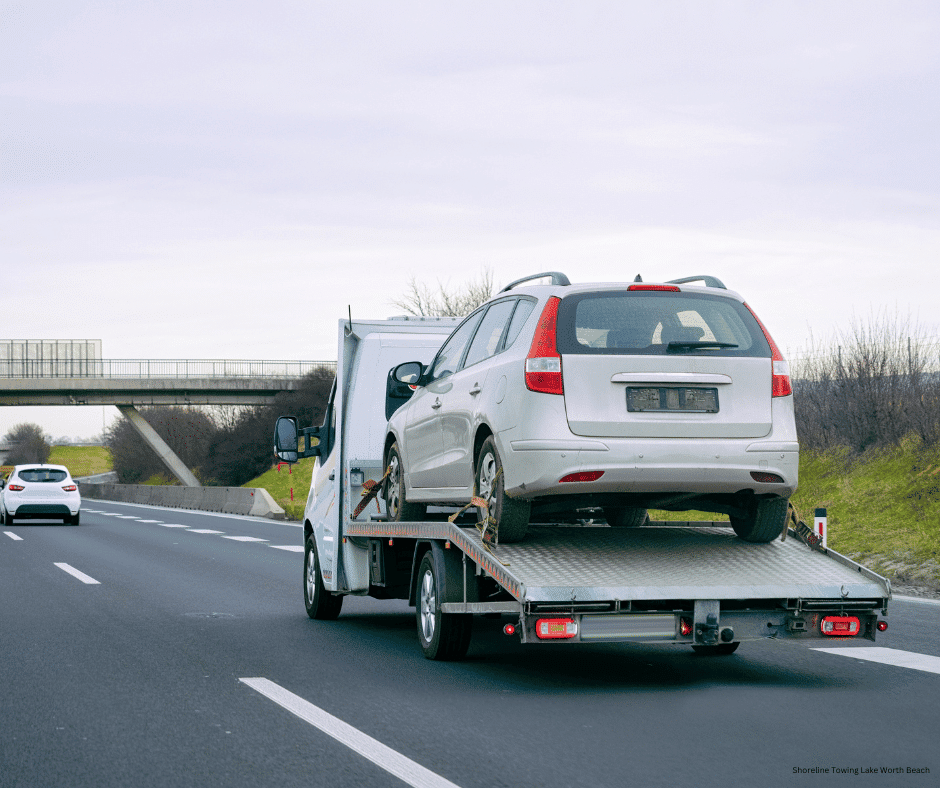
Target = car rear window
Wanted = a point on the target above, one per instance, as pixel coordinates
(649, 323)
(42, 475)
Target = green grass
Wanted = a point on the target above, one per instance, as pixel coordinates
(280, 483)
(82, 460)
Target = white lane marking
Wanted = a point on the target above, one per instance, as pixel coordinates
(244, 538)
(920, 599)
(127, 516)
(393, 762)
(293, 548)
(204, 531)
(152, 521)
(173, 525)
(80, 575)
(888, 656)
(13, 536)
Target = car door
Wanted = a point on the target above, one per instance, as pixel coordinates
(461, 411)
(423, 443)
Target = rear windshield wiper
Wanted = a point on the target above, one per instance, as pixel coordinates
(674, 347)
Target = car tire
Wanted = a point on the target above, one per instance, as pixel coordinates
(511, 515)
(625, 516)
(722, 649)
(764, 523)
(320, 603)
(399, 510)
(443, 636)
(74, 519)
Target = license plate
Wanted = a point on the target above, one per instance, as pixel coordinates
(675, 399)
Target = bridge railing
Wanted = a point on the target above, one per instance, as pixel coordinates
(158, 368)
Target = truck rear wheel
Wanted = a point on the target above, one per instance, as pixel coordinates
(625, 516)
(320, 603)
(443, 636)
(764, 522)
(399, 510)
(511, 515)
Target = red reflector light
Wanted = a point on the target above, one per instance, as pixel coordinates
(685, 626)
(840, 626)
(543, 364)
(766, 478)
(509, 629)
(882, 626)
(581, 476)
(555, 628)
(16, 487)
(660, 288)
(70, 488)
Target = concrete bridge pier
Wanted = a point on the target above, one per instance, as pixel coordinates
(173, 463)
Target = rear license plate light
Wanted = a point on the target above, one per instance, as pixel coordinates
(556, 628)
(841, 626)
(679, 399)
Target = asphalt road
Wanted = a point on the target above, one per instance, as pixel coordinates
(190, 661)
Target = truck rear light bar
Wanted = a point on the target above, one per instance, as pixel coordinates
(556, 628)
(840, 626)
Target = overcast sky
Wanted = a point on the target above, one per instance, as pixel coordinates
(223, 179)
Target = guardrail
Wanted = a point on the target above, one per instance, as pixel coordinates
(158, 368)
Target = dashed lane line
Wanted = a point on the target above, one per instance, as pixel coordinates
(79, 575)
(204, 531)
(244, 538)
(888, 656)
(13, 536)
(293, 548)
(393, 762)
(173, 525)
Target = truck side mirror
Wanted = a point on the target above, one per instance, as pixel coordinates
(285, 439)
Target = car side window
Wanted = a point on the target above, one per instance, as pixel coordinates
(449, 356)
(486, 342)
(523, 310)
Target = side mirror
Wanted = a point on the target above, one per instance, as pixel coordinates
(401, 384)
(285, 439)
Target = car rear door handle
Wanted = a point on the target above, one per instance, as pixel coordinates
(437, 403)
(476, 389)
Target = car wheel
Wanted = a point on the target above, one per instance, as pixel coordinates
(625, 516)
(74, 519)
(320, 603)
(399, 510)
(764, 523)
(510, 515)
(443, 636)
(721, 649)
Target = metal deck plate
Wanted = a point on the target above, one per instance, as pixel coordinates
(561, 564)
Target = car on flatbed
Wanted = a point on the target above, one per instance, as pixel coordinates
(561, 402)
(40, 491)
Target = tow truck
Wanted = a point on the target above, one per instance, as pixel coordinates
(685, 583)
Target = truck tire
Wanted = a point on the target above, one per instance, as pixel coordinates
(443, 636)
(625, 516)
(320, 603)
(764, 523)
(399, 510)
(511, 515)
(722, 649)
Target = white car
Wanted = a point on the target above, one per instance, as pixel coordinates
(561, 402)
(40, 492)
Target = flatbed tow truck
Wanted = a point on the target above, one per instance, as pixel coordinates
(685, 583)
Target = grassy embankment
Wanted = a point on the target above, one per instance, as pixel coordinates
(82, 460)
(280, 482)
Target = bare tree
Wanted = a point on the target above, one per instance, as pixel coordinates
(30, 444)
(420, 299)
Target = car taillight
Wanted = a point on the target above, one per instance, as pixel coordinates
(555, 628)
(766, 478)
(840, 626)
(70, 488)
(781, 386)
(581, 476)
(660, 288)
(543, 364)
(16, 487)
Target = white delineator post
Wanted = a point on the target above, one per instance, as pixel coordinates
(820, 522)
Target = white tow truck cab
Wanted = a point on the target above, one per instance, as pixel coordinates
(686, 583)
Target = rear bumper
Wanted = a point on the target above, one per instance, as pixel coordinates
(38, 511)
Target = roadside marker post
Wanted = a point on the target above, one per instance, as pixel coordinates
(820, 522)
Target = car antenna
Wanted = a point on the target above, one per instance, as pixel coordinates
(638, 278)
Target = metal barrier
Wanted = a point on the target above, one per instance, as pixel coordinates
(158, 368)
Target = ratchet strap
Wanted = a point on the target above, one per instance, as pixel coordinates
(370, 491)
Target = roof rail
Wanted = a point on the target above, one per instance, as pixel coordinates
(710, 281)
(557, 279)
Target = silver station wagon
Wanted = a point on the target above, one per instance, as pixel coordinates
(562, 402)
